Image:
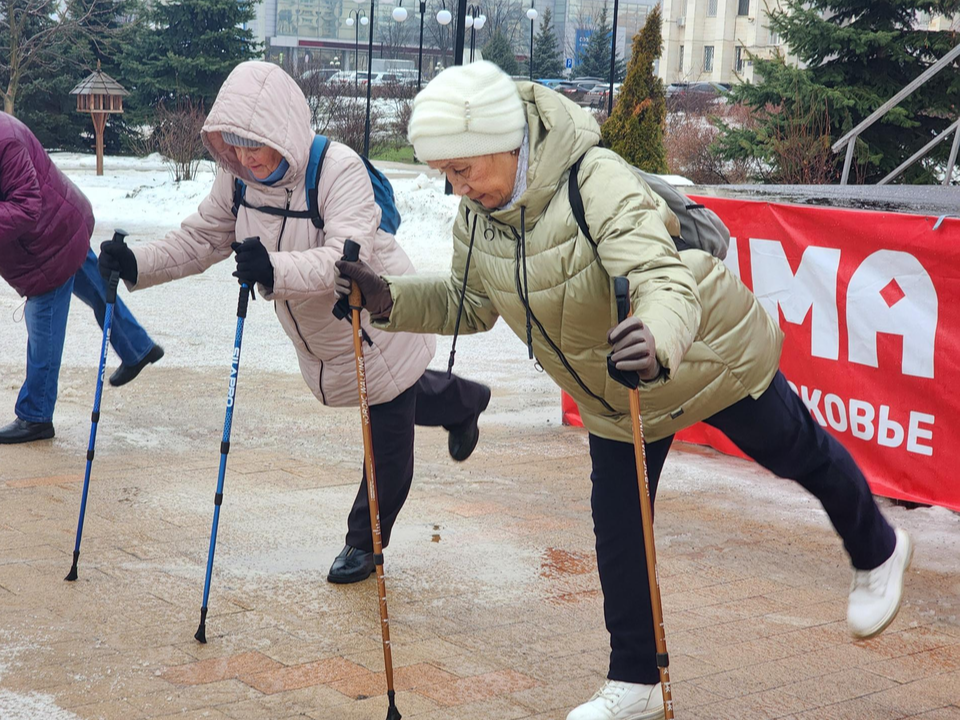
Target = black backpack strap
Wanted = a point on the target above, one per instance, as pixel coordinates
(238, 191)
(313, 203)
(576, 200)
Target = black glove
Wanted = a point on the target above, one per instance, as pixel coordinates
(375, 292)
(115, 256)
(253, 263)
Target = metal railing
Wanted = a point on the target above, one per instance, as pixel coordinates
(849, 140)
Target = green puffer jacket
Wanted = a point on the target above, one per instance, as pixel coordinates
(714, 341)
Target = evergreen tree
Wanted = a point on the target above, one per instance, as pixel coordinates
(547, 59)
(594, 61)
(858, 55)
(498, 51)
(635, 129)
(186, 51)
(43, 100)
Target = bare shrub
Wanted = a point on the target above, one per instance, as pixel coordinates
(801, 146)
(176, 133)
(348, 122)
(689, 141)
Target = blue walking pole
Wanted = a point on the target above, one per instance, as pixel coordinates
(224, 450)
(114, 281)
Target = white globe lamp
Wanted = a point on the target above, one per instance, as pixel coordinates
(400, 14)
(444, 17)
(531, 14)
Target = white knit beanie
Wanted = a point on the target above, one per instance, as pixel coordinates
(466, 111)
(239, 140)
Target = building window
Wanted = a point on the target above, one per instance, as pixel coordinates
(738, 59)
(681, 59)
(708, 58)
(774, 37)
(743, 7)
(711, 8)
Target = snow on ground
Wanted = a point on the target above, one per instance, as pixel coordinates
(195, 319)
(30, 706)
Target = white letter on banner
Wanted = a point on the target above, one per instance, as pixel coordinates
(884, 424)
(913, 317)
(836, 412)
(918, 433)
(732, 260)
(814, 286)
(812, 401)
(861, 419)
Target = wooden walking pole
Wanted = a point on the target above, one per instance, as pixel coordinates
(622, 291)
(351, 253)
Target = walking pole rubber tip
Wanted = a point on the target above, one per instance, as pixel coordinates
(392, 712)
(201, 634)
(72, 575)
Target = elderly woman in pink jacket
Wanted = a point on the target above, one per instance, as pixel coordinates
(258, 131)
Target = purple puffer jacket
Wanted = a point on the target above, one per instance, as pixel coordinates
(45, 221)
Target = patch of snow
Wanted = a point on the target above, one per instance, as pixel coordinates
(29, 706)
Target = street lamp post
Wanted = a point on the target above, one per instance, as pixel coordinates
(474, 21)
(444, 17)
(613, 56)
(532, 14)
(423, 10)
(366, 127)
(355, 19)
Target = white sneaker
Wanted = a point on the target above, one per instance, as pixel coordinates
(622, 701)
(876, 594)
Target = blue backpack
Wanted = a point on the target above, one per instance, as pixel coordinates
(382, 192)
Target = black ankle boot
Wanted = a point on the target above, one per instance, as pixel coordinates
(352, 565)
(21, 431)
(125, 373)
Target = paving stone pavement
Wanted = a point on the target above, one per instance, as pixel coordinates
(495, 606)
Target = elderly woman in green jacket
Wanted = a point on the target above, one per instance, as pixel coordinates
(703, 347)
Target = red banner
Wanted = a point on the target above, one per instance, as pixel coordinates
(864, 299)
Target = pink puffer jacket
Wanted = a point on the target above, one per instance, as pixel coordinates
(259, 100)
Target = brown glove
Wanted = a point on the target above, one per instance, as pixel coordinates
(634, 348)
(375, 293)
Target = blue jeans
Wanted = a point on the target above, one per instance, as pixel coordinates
(46, 317)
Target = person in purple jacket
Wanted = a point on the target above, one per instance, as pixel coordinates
(45, 229)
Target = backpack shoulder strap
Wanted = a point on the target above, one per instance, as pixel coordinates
(239, 188)
(318, 151)
(576, 199)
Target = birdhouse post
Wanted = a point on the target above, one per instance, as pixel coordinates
(100, 95)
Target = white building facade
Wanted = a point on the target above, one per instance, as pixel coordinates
(710, 40)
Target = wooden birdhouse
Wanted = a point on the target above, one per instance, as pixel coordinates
(100, 95)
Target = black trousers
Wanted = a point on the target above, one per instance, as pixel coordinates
(434, 401)
(779, 433)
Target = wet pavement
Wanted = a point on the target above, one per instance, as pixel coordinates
(495, 606)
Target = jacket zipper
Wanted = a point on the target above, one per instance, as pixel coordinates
(543, 332)
(296, 325)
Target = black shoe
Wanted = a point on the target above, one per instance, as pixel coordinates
(462, 440)
(126, 373)
(352, 565)
(21, 431)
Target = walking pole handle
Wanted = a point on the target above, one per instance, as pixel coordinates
(621, 290)
(114, 282)
(351, 253)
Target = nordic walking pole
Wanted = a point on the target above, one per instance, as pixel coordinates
(351, 253)
(112, 284)
(622, 292)
(201, 634)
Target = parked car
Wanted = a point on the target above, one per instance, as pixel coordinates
(550, 82)
(597, 97)
(574, 89)
(696, 93)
